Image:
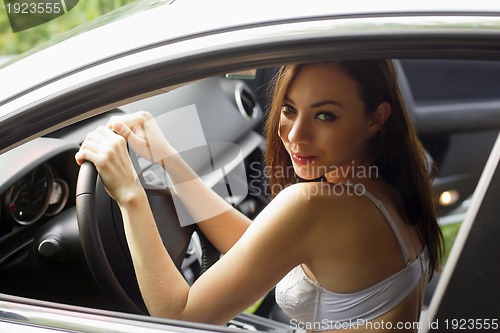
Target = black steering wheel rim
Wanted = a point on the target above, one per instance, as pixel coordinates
(99, 219)
(92, 246)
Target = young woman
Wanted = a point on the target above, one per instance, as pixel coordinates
(350, 248)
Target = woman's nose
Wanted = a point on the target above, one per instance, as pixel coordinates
(300, 131)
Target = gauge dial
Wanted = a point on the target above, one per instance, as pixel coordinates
(58, 197)
(28, 198)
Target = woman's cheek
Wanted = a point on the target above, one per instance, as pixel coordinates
(353, 143)
(340, 145)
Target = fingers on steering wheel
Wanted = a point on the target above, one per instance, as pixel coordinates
(130, 120)
(99, 146)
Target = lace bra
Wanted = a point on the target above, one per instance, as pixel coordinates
(319, 309)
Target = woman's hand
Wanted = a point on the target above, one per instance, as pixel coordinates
(143, 135)
(108, 152)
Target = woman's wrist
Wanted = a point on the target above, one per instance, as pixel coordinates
(132, 197)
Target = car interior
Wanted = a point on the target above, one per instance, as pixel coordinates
(47, 254)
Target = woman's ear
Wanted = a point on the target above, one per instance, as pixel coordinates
(378, 118)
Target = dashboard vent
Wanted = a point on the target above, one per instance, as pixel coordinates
(246, 101)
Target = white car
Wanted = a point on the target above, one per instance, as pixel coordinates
(65, 267)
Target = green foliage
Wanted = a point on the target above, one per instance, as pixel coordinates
(450, 232)
(84, 11)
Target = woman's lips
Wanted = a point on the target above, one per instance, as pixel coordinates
(301, 159)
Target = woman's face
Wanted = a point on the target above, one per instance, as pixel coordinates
(323, 124)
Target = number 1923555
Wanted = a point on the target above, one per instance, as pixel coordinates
(26, 14)
(34, 8)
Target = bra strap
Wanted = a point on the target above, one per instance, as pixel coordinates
(387, 215)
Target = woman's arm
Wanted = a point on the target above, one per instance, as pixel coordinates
(275, 243)
(218, 220)
(279, 239)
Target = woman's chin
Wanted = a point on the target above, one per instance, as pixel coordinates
(307, 174)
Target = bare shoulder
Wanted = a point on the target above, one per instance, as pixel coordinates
(309, 201)
(317, 191)
(314, 194)
(302, 198)
(296, 207)
(328, 207)
(299, 209)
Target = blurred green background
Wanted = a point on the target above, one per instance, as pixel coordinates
(450, 232)
(85, 11)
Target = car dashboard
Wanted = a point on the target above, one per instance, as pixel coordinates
(36, 184)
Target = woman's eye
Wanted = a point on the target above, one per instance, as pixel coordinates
(327, 116)
(285, 108)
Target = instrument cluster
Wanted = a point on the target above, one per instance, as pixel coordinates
(38, 193)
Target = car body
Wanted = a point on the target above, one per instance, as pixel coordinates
(153, 56)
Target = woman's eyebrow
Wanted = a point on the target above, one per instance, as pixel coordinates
(317, 104)
(326, 102)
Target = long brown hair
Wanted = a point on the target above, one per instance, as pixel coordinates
(398, 153)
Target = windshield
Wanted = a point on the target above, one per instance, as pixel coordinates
(119, 13)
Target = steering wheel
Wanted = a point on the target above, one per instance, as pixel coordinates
(104, 244)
